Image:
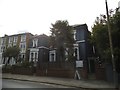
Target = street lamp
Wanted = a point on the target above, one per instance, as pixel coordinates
(111, 48)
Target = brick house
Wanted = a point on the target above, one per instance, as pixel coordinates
(20, 40)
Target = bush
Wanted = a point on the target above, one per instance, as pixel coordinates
(27, 64)
(24, 64)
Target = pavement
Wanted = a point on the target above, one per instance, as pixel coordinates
(85, 84)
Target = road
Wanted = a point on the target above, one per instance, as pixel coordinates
(7, 83)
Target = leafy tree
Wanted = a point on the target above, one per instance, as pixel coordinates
(100, 36)
(62, 38)
(115, 22)
(11, 52)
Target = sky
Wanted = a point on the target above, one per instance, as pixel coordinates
(36, 16)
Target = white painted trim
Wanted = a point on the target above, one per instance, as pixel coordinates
(50, 55)
(35, 59)
(81, 41)
(43, 47)
(34, 49)
(76, 47)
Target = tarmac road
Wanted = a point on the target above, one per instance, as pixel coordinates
(9, 84)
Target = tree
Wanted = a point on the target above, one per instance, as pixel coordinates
(62, 38)
(11, 52)
(115, 22)
(100, 36)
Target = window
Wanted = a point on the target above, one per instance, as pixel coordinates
(52, 56)
(23, 38)
(35, 42)
(1, 41)
(1, 49)
(74, 34)
(31, 56)
(14, 44)
(15, 39)
(76, 53)
(10, 45)
(10, 39)
(23, 56)
(35, 56)
(22, 45)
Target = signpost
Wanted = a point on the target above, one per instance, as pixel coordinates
(79, 64)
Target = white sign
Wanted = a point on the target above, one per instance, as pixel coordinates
(79, 63)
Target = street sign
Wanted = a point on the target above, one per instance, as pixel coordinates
(79, 63)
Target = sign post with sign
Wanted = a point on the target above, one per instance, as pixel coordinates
(79, 64)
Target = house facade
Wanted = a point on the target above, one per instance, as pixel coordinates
(82, 49)
(39, 49)
(3, 45)
(19, 40)
(81, 46)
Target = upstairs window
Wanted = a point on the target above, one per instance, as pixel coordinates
(23, 38)
(74, 34)
(35, 42)
(10, 39)
(15, 39)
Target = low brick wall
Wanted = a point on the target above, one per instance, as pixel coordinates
(56, 72)
(4, 70)
(23, 71)
(100, 74)
(83, 73)
(68, 73)
(41, 72)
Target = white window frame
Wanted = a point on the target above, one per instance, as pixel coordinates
(23, 38)
(50, 56)
(74, 35)
(35, 42)
(10, 39)
(34, 51)
(15, 39)
(76, 47)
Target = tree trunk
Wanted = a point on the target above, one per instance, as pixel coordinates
(8, 61)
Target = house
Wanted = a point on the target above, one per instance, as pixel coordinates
(82, 50)
(20, 40)
(3, 45)
(81, 35)
(39, 49)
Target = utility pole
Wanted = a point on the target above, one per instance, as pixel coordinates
(111, 48)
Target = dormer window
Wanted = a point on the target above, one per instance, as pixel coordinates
(35, 42)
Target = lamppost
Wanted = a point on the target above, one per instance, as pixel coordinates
(111, 48)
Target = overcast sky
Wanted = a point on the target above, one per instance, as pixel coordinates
(36, 16)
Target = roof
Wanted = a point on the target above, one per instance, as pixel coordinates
(78, 25)
(16, 34)
(38, 36)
